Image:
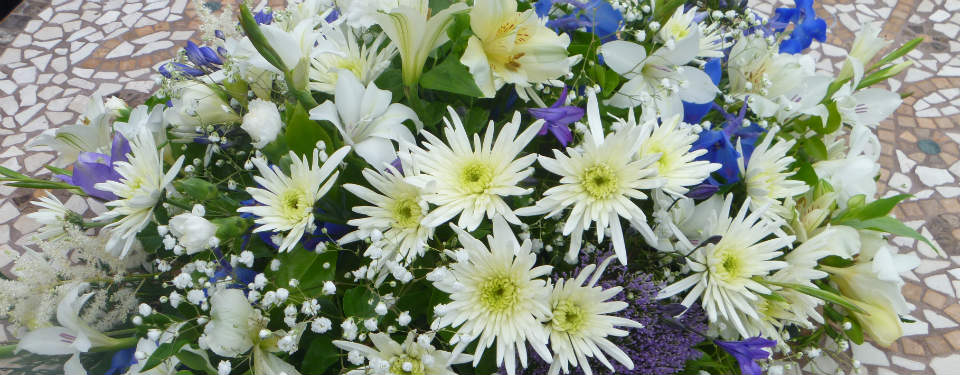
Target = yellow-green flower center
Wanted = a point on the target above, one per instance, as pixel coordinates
(499, 293)
(600, 181)
(415, 365)
(406, 213)
(476, 177)
(568, 317)
(728, 265)
(294, 204)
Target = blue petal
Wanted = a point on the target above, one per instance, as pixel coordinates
(542, 7)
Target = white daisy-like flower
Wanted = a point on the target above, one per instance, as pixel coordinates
(365, 61)
(287, 201)
(677, 164)
(471, 181)
(723, 272)
(496, 295)
(579, 326)
(599, 183)
(766, 175)
(142, 182)
(397, 211)
(414, 356)
(53, 216)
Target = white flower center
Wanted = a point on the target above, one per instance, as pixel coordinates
(499, 293)
(294, 204)
(600, 181)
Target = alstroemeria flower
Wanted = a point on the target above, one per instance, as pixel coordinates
(367, 119)
(747, 352)
(91, 133)
(558, 117)
(416, 34)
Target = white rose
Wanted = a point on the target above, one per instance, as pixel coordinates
(262, 122)
(193, 231)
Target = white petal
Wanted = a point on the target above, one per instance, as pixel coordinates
(623, 57)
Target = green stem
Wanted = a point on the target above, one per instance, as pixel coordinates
(302, 96)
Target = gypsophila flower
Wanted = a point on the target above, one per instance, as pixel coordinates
(321, 325)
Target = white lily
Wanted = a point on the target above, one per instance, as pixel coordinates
(296, 47)
(662, 80)
(90, 134)
(416, 34)
(866, 45)
(73, 336)
(143, 120)
(852, 173)
(367, 119)
(865, 107)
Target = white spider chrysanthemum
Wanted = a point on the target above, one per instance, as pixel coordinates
(496, 295)
(53, 216)
(599, 183)
(397, 210)
(579, 326)
(471, 181)
(287, 201)
(766, 175)
(366, 61)
(722, 272)
(677, 164)
(387, 357)
(142, 182)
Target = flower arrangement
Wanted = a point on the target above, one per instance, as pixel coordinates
(474, 187)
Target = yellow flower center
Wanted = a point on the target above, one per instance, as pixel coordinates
(294, 204)
(406, 213)
(568, 317)
(355, 66)
(499, 293)
(600, 181)
(728, 265)
(476, 177)
(415, 365)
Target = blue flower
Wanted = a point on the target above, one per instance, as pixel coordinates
(807, 26)
(558, 117)
(92, 168)
(598, 16)
(721, 151)
(121, 361)
(263, 17)
(747, 352)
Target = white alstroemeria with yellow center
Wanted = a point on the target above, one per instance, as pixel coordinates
(672, 141)
(496, 295)
(599, 183)
(723, 272)
(416, 33)
(580, 323)
(365, 60)
(767, 177)
(412, 357)
(287, 201)
(471, 180)
(512, 47)
(397, 211)
(73, 336)
(660, 81)
(142, 183)
(367, 119)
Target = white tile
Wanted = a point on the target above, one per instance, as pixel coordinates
(938, 321)
(869, 354)
(906, 164)
(933, 176)
(947, 365)
(8, 211)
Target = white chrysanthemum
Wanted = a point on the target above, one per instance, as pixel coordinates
(677, 164)
(723, 272)
(496, 295)
(471, 181)
(580, 325)
(397, 211)
(142, 182)
(766, 175)
(53, 216)
(387, 357)
(599, 183)
(287, 201)
(366, 61)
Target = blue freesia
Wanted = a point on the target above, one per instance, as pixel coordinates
(598, 16)
(263, 17)
(694, 112)
(721, 144)
(92, 168)
(121, 361)
(558, 117)
(747, 352)
(807, 26)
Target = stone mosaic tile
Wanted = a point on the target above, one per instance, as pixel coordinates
(54, 54)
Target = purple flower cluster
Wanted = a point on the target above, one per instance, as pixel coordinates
(659, 348)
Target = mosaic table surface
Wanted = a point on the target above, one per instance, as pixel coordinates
(55, 54)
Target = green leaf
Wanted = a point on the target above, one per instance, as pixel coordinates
(451, 76)
(836, 261)
(231, 227)
(252, 29)
(806, 173)
(164, 351)
(303, 133)
(359, 302)
(196, 361)
(197, 188)
(815, 148)
(309, 268)
(877, 208)
(320, 355)
(477, 118)
(834, 121)
(855, 333)
(890, 225)
(58, 170)
(821, 294)
(903, 50)
(11, 173)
